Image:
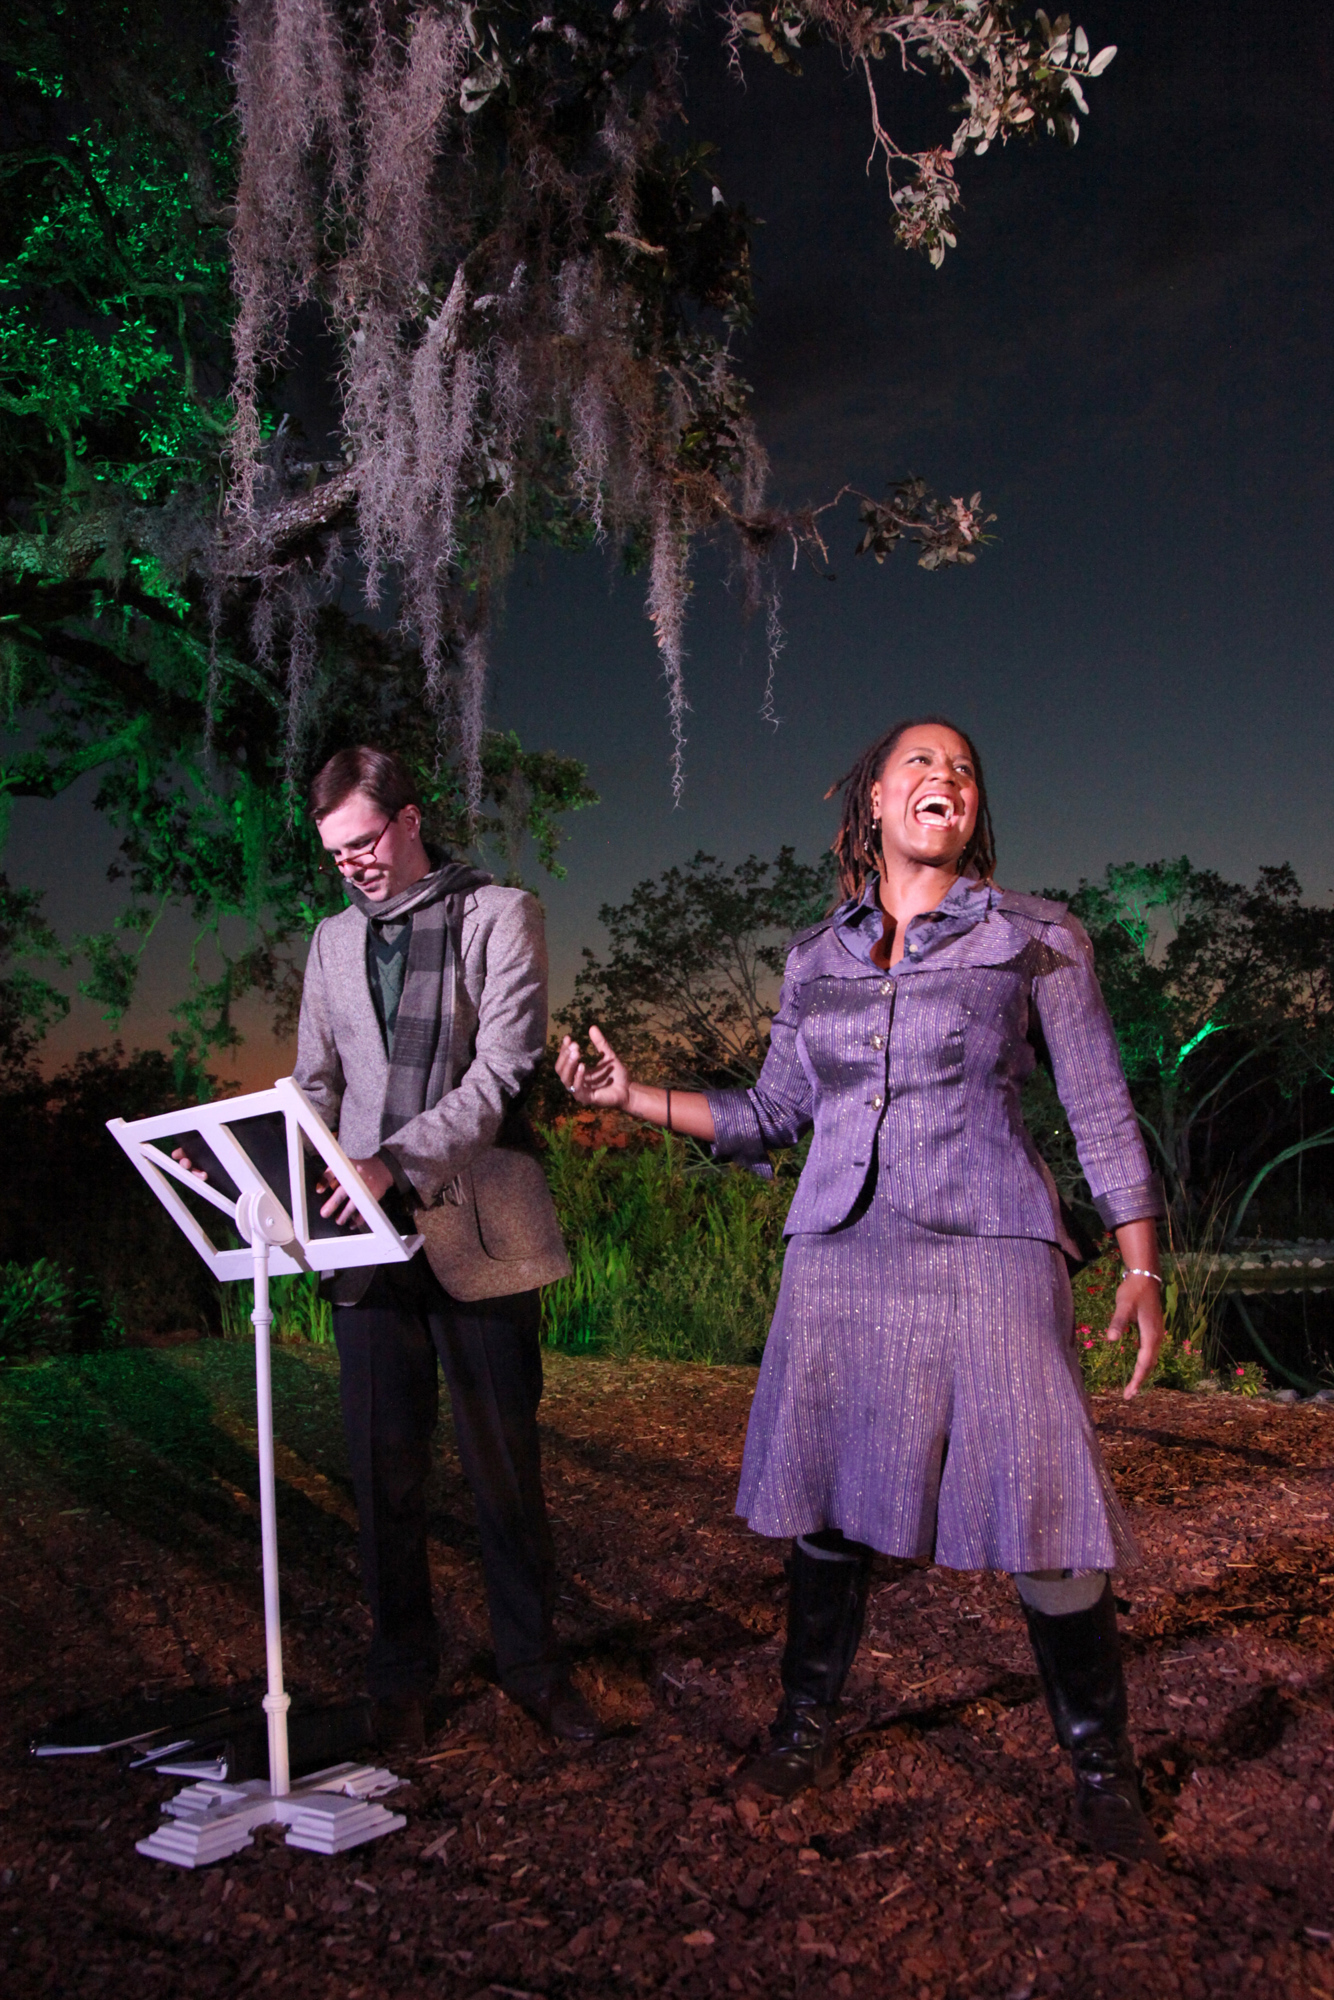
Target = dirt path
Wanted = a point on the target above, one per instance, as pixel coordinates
(940, 1866)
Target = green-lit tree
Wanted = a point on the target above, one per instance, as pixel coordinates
(1223, 999)
(119, 654)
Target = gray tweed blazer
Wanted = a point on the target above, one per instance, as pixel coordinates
(500, 1020)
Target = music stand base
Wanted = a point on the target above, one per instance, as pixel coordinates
(326, 1813)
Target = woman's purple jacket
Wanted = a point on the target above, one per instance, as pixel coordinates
(921, 1068)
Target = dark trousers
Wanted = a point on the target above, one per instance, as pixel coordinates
(388, 1346)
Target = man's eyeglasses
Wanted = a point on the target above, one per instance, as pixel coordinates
(357, 853)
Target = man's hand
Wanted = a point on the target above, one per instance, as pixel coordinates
(374, 1175)
(183, 1159)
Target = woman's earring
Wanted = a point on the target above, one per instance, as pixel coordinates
(869, 846)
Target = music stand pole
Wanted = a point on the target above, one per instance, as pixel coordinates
(276, 1701)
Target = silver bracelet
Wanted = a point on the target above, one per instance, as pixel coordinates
(1129, 1271)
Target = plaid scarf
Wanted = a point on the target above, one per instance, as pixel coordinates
(421, 1066)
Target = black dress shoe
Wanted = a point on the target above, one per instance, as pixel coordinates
(399, 1725)
(563, 1713)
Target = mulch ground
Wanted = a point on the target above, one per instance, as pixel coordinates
(941, 1865)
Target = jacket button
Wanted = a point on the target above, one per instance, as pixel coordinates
(884, 986)
(876, 1103)
(877, 1041)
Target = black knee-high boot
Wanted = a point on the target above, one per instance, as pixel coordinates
(825, 1614)
(1079, 1659)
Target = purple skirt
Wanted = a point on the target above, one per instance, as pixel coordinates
(922, 1393)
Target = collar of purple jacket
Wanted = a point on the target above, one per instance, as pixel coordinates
(969, 926)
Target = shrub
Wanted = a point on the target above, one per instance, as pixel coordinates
(46, 1309)
(670, 1258)
(1245, 1379)
(1110, 1364)
(1181, 1365)
(1105, 1366)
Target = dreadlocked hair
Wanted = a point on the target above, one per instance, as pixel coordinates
(855, 844)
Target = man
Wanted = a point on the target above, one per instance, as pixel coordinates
(422, 1015)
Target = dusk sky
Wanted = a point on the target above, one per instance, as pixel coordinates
(1128, 354)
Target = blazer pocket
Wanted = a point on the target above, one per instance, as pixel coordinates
(516, 1216)
(494, 1231)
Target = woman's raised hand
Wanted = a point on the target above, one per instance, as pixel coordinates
(598, 1079)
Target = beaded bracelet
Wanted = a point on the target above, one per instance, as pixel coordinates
(1129, 1271)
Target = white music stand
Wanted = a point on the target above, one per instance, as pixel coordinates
(263, 1154)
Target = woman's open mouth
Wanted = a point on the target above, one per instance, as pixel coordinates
(935, 809)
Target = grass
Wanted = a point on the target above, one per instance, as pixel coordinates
(164, 1439)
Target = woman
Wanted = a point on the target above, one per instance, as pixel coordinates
(920, 1392)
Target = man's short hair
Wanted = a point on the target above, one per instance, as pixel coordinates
(384, 778)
